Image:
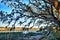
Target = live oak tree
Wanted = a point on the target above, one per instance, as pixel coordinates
(35, 12)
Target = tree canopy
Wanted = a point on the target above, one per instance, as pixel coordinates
(30, 13)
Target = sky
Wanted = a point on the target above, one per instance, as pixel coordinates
(7, 9)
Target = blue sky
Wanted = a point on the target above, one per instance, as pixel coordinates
(4, 7)
(7, 9)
